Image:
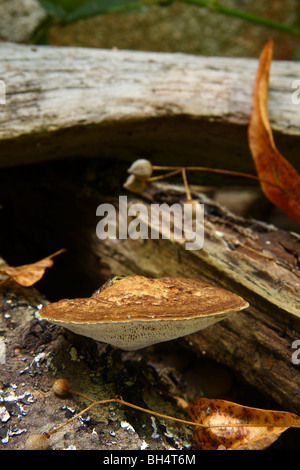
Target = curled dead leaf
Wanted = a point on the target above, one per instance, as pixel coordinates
(234, 426)
(29, 274)
(283, 189)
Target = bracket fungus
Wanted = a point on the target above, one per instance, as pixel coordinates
(136, 311)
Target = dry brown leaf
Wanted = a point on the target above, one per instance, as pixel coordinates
(271, 166)
(29, 274)
(234, 426)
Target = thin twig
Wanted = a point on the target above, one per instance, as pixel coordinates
(153, 413)
(216, 170)
(187, 189)
(166, 175)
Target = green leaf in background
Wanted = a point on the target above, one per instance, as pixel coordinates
(73, 10)
(95, 7)
(58, 8)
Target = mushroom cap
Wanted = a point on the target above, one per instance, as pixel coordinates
(136, 311)
(134, 184)
(141, 168)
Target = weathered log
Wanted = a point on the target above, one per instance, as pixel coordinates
(173, 108)
(54, 206)
(253, 259)
(179, 107)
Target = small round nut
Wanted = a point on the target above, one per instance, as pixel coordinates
(37, 442)
(61, 387)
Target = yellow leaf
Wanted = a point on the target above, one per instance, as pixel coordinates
(234, 426)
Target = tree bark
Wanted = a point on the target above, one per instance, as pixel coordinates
(253, 259)
(180, 107)
(253, 347)
(115, 105)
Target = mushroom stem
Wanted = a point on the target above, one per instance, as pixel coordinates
(153, 413)
(122, 402)
(49, 433)
(166, 175)
(130, 405)
(211, 170)
(187, 189)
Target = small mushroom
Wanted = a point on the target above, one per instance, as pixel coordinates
(134, 184)
(141, 168)
(136, 312)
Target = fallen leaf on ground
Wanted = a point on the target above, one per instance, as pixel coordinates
(271, 166)
(29, 274)
(234, 426)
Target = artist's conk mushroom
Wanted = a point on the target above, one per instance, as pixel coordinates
(136, 311)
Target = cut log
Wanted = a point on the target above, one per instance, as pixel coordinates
(111, 103)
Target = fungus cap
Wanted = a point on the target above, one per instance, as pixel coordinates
(134, 184)
(141, 168)
(136, 312)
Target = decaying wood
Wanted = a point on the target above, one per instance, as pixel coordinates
(175, 108)
(33, 353)
(254, 260)
(88, 102)
(54, 207)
